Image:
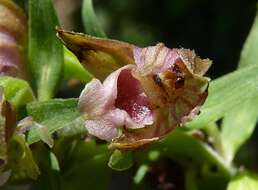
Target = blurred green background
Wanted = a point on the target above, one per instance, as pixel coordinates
(213, 28)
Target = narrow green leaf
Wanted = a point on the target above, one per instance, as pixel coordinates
(73, 68)
(239, 124)
(237, 127)
(249, 55)
(16, 91)
(54, 114)
(246, 181)
(90, 21)
(120, 160)
(45, 51)
(225, 93)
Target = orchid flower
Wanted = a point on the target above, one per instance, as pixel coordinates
(145, 93)
(12, 39)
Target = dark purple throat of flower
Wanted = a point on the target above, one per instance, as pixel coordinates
(132, 98)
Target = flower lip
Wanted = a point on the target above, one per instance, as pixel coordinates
(132, 98)
(119, 102)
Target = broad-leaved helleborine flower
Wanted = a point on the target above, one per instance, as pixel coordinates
(12, 39)
(146, 92)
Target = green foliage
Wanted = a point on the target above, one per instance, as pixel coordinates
(249, 54)
(244, 181)
(90, 21)
(120, 160)
(225, 93)
(198, 152)
(16, 91)
(44, 49)
(84, 164)
(54, 114)
(20, 159)
(237, 127)
(239, 124)
(73, 69)
(49, 167)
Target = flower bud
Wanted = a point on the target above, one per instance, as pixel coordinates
(12, 39)
(142, 101)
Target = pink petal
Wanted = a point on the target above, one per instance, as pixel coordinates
(101, 128)
(155, 59)
(98, 99)
(92, 99)
(120, 100)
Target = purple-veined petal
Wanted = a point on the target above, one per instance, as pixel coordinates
(154, 59)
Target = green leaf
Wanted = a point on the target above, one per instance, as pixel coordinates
(225, 93)
(246, 181)
(20, 159)
(121, 160)
(191, 179)
(73, 69)
(92, 166)
(237, 127)
(54, 114)
(182, 146)
(90, 21)
(249, 55)
(49, 167)
(45, 51)
(16, 91)
(239, 124)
